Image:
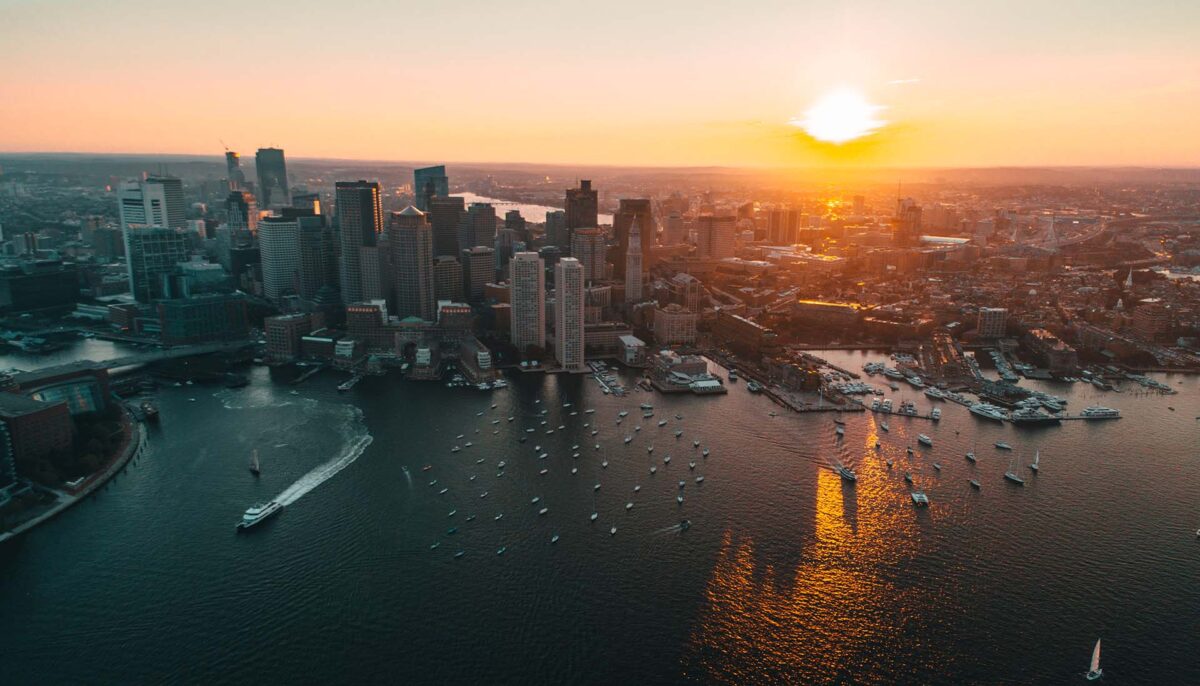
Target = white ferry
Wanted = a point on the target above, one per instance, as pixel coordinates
(258, 514)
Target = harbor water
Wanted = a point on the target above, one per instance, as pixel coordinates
(786, 574)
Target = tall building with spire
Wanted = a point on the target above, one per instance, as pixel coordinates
(272, 178)
(633, 264)
(629, 210)
(568, 314)
(410, 239)
(360, 221)
(528, 307)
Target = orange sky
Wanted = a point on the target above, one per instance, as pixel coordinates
(621, 82)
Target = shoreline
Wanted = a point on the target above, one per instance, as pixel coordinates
(135, 441)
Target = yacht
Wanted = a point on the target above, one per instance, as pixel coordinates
(500, 465)
(498, 517)
(678, 433)
(662, 422)
(696, 444)
(937, 466)
(455, 449)
(629, 439)
(544, 472)
(255, 468)
(700, 479)
(875, 404)
(589, 411)
(970, 455)
(628, 506)
(920, 499)
(667, 459)
(542, 512)
(925, 440)
(704, 452)
(596, 487)
(257, 514)
(595, 516)
(844, 472)
(935, 393)
(1098, 412)
(974, 484)
(554, 539)
(612, 531)
(915, 381)
(1031, 415)
(733, 375)
(884, 426)
(754, 387)
(501, 550)
(1001, 445)
(936, 414)
(604, 464)
(988, 411)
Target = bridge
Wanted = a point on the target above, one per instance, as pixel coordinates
(148, 357)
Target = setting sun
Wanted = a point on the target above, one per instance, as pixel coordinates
(840, 117)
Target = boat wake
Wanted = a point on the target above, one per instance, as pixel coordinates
(325, 472)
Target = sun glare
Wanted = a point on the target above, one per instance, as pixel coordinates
(840, 117)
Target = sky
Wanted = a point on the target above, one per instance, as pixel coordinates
(659, 82)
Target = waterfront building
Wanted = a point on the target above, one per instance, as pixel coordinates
(1052, 352)
(479, 269)
(528, 326)
(633, 264)
(582, 207)
(203, 318)
(272, 178)
(589, 247)
(34, 429)
(38, 286)
(427, 183)
(411, 241)
(568, 314)
(743, 335)
(715, 236)
(674, 325)
(633, 351)
(629, 211)
(991, 322)
(360, 219)
(478, 226)
(284, 334)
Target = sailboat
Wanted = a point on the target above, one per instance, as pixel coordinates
(1011, 474)
(254, 466)
(1037, 455)
(1094, 672)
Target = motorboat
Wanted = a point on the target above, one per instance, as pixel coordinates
(1001, 445)
(974, 484)
(924, 440)
(988, 411)
(920, 499)
(257, 514)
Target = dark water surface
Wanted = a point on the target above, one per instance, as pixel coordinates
(786, 574)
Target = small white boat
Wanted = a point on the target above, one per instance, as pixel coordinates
(653, 469)
(974, 484)
(692, 465)
(455, 449)
(544, 472)
(679, 499)
(604, 464)
(704, 452)
(884, 426)
(1001, 445)
(542, 512)
(1037, 455)
(596, 487)
(840, 431)
(700, 479)
(612, 531)
(554, 539)
(637, 489)
(629, 439)
(667, 459)
(628, 506)
(595, 516)
(925, 440)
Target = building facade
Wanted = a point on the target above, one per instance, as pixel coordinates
(528, 325)
(568, 314)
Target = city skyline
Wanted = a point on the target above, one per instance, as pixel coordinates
(965, 85)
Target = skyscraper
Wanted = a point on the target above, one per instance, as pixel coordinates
(478, 226)
(157, 201)
(479, 269)
(675, 232)
(906, 224)
(582, 206)
(279, 250)
(427, 183)
(360, 220)
(445, 215)
(589, 247)
(152, 223)
(629, 209)
(633, 264)
(447, 278)
(529, 301)
(556, 229)
(568, 314)
(241, 209)
(152, 254)
(233, 170)
(715, 236)
(410, 239)
(272, 178)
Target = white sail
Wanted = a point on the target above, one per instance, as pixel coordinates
(1037, 456)
(1096, 657)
